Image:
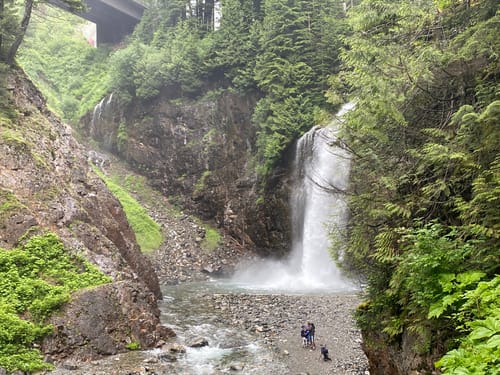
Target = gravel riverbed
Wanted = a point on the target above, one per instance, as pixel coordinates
(273, 318)
(278, 318)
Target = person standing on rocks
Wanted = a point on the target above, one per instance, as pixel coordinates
(312, 331)
(305, 334)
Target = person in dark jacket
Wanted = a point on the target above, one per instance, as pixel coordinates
(312, 332)
(324, 353)
(305, 334)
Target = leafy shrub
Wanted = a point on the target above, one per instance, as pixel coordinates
(134, 345)
(35, 280)
(479, 350)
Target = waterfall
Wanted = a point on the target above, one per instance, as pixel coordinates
(104, 122)
(321, 175)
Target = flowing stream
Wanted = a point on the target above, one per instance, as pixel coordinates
(229, 348)
(318, 208)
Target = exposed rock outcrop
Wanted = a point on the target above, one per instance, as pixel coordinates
(200, 154)
(46, 183)
(104, 320)
(399, 357)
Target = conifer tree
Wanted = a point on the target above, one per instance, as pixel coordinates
(292, 69)
(425, 168)
(235, 43)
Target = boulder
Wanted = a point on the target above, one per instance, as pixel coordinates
(198, 342)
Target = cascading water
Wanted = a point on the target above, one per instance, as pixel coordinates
(321, 175)
(318, 207)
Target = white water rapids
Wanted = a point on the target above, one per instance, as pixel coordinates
(318, 208)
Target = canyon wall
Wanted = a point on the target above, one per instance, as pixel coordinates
(47, 184)
(200, 154)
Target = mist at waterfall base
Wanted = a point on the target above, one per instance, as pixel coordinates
(321, 175)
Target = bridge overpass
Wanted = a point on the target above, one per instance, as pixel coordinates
(114, 19)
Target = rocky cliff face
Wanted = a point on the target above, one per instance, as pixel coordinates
(398, 358)
(46, 183)
(199, 154)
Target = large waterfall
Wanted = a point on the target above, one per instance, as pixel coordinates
(318, 207)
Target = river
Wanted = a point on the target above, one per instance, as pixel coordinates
(250, 324)
(247, 332)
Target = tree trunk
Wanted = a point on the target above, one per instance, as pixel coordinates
(209, 14)
(2, 8)
(28, 7)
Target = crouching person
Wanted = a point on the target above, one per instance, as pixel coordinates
(324, 353)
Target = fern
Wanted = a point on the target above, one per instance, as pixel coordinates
(398, 210)
(386, 249)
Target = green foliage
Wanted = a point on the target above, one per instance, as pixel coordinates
(35, 280)
(298, 50)
(174, 58)
(286, 49)
(8, 203)
(122, 136)
(201, 183)
(433, 274)
(425, 222)
(424, 135)
(72, 74)
(235, 46)
(212, 239)
(147, 231)
(480, 349)
(281, 122)
(134, 345)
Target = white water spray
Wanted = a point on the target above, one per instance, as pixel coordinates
(318, 207)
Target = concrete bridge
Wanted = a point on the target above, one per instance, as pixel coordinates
(114, 19)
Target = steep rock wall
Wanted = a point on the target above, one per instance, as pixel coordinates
(398, 357)
(46, 183)
(199, 154)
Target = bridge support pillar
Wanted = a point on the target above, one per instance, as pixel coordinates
(114, 32)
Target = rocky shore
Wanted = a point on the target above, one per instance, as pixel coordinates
(273, 319)
(278, 318)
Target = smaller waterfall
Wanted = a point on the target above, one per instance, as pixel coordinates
(104, 123)
(318, 207)
(100, 110)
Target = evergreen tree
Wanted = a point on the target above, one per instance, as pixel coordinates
(291, 71)
(235, 44)
(425, 176)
